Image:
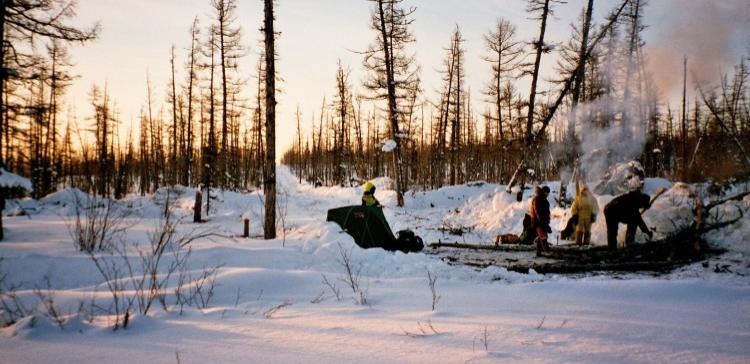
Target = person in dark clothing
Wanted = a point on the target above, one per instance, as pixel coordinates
(540, 218)
(626, 209)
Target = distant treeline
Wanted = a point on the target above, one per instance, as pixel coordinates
(600, 103)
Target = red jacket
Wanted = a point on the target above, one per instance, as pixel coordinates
(540, 211)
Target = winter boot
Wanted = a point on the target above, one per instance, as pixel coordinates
(542, 248)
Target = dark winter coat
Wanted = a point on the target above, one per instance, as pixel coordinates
(540, 215)
(626, 209)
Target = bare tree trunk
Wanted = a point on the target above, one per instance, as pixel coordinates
(684, 119)
(396, 163)
(632, 46)
(3, 118)
(269, 183)
(173, 157)
(581, 71)
(3, 76)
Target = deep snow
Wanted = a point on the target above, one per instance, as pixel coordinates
(692, 315)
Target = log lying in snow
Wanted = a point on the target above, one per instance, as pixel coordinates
(500, 248)
(656, 256)
(570, 268)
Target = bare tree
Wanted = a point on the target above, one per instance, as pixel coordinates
(172, 101)
(23, 21)
(391, 72)
(550, 110)
(635, 27)
(209, 150)
(269, 175)
(192, 69)
(341, 105)
(503, 56)
(228, 38)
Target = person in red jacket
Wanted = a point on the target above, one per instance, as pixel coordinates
(540, 218)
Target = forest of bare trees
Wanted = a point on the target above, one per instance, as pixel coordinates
(600, 107)
(603, 108)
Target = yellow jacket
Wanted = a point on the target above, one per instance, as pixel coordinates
(368, 197)
(369, 200)
(584, 206)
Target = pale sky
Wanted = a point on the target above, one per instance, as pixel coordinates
(137, 36)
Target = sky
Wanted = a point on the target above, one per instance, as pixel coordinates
(137, 36)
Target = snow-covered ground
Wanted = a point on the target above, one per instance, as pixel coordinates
(697, 314)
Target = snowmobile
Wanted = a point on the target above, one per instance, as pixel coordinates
(370, 229)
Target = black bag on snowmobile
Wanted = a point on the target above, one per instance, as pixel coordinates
(407, 241)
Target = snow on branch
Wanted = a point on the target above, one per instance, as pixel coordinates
(11, 180)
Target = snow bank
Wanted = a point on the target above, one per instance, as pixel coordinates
(693, 315)
(11, 180)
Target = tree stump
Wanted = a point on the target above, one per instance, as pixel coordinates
(197, 206)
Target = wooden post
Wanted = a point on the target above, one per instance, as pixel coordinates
(246, 233)
(197, 206)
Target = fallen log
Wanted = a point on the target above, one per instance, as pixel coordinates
(501, 247)
(571, 268)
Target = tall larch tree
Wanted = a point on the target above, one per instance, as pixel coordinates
(391, 73)
(269, 175)
(228, 38)
(503, 52)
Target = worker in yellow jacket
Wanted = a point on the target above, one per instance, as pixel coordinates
(586, 207)
(368, 196)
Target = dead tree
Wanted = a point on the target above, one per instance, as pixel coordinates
(341, 105)
(572, 54)
(172, 100)
(634, 22)
(209, 150)
(269, 175)
(391, 72)
(567, 86)
(22, 21)
(541, 7)
(192, 76)
(452, 107)
(725, 117)
(503, 53)
(230, 50)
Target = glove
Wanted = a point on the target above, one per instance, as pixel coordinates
(593, 218)
(650, 234)
(548, 229)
